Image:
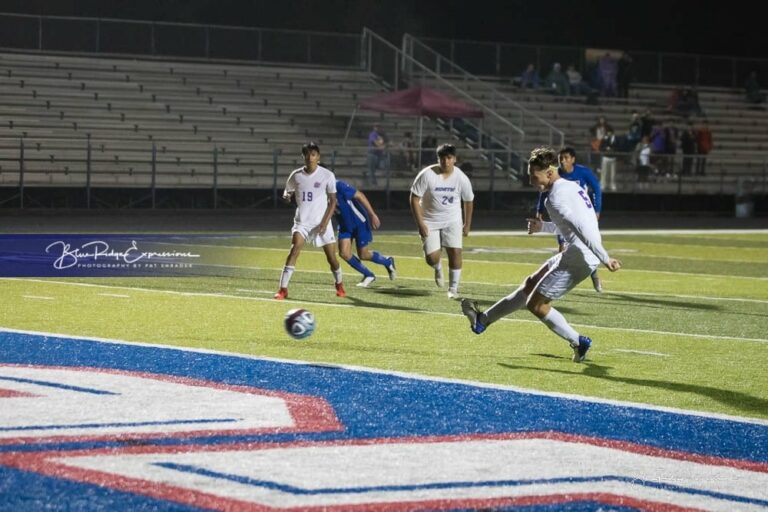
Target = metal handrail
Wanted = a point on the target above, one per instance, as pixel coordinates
(410, 41)
(401, 58)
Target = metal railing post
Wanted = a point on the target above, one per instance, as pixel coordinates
(88, 175)
(153, 181)
(215, 177)
(275, 153)
(21, 174)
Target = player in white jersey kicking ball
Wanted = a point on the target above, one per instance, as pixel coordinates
(573, 217)
(313, 187)
(437, 196)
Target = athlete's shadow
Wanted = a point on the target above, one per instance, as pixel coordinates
(736, 399)
(401, 291)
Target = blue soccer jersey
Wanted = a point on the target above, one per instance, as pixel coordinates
(586, 180)
(351, 216)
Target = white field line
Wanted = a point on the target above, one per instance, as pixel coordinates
(334, 304)
(492, 262)
(652, 232)
(641, 352)
(37, 297)
(118, 295)
(485, 385)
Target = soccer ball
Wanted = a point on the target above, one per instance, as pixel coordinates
(299, 323)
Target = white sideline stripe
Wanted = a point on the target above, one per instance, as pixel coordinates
(119, 295)
(39, 297)
(643, 232)
(336, 305)
(641, 352)
(581, 398)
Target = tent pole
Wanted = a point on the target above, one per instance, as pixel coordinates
(349, 127)
(421, 127)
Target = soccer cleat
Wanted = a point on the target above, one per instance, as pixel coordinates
(470, 310)
(453, 293)
(439, 277)
(391, 269)
(281, 294)
(340, 292)
(580, 350)
(597, 283)
(366, 281)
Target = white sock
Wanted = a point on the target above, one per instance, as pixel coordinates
(454, 275)
(337, 275)
(285, 277)
(560, 326)
(438, 266)
(505, 306)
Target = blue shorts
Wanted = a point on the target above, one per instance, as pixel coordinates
(361, 233)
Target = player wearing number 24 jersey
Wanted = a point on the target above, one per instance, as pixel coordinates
(313, 187)
(437, 196)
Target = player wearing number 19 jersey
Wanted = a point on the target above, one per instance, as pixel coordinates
(573, 217)
(313, 187)
(437, 196)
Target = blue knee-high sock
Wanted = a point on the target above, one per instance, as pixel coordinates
(376, 257)
(356, 264)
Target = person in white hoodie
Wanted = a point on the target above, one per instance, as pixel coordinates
(573, 217)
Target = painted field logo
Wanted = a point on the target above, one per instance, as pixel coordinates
(104, 425)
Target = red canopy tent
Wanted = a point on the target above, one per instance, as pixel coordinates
(417, 101)
(421, 101)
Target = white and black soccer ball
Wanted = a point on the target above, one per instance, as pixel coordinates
(299, 323)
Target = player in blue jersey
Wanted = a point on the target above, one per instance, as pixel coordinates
(355, 217)
(581, 174)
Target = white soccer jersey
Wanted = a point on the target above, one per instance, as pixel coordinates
(574, 217)
(441, 196)
(311, 194)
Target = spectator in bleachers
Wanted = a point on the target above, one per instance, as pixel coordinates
(608, 147)
(634, 132)
(576, 85)
(685, 102)
(376, 153)
(703, 146)
(658, 146)
(647, 121)
(670, 146)
(598, 132)
(644, 168)
(407, 152)
(428, 145)
(557, 81)
(688, 146)
(608, 69)
(530, 77)
(752, 87)
(624, 75)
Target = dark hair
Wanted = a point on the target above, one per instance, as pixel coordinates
(309, 146)
(445, 150)
(543, 158)
(567, 151)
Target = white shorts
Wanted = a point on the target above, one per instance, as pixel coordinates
(312, 236)
(451, 236)
(564, 271)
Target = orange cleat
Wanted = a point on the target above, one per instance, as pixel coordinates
(281, 294)
(340, 290)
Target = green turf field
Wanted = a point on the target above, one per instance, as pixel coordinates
(682, 325)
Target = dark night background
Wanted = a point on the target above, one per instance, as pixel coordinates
(716, 28)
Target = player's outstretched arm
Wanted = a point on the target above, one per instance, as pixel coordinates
(363, 200)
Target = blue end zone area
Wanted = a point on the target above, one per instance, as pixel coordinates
(369, 406)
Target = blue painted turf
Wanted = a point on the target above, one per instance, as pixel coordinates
(369, 405)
